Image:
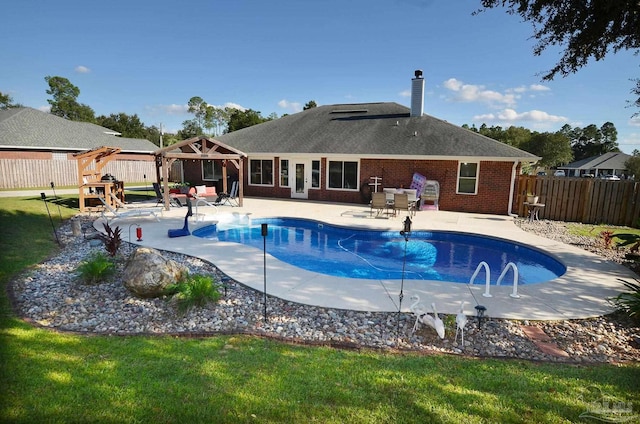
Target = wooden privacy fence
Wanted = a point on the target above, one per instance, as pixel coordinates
(25, 173)
(586, 200)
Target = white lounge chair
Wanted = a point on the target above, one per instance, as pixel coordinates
(123, 211)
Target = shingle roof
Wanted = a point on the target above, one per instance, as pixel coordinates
(609, 160)
(27, 128)
(368, 130)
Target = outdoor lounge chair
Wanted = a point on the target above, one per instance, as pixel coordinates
(160, 198)
(378, 203)
(230, 198)
(123, 211)
(184, 231)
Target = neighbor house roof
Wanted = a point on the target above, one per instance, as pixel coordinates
(27, 128)
(609, 160)
(369, 130)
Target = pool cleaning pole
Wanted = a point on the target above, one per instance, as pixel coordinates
(406, 232)
(265, 231)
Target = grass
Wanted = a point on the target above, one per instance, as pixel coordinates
(595, 231)
(66, 378)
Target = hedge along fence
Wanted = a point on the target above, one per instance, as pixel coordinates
(586, 200)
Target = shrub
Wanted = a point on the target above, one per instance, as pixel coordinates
(629, 239)
(96, 269)
(629, 302)
(112, 239)
(195, 290)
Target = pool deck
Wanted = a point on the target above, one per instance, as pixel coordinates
(580, 293)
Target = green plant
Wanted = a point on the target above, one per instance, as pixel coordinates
(96, 269)
(629, 302)
(195, 290)
(112, 239)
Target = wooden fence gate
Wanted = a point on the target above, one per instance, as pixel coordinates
(586, 200)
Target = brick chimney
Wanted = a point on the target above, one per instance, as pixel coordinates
(417, 94)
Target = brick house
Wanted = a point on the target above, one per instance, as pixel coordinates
(329, 153)
(37, 148)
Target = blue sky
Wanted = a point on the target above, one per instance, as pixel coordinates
(151, 57)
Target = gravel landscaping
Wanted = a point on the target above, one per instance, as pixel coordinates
(51, 295)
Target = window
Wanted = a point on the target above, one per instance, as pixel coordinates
(261, 171)
(284, 173)
(211, 170)
(343, 175)
(315, 174)
(467, 178)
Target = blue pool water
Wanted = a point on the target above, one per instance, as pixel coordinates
(372, 254)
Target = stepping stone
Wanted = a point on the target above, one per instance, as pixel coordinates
(543, 341)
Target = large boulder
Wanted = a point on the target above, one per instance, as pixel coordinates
(148, 273)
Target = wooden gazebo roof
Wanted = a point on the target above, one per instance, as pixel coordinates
(199, 148)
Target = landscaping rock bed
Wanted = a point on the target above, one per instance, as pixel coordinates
(50, 295)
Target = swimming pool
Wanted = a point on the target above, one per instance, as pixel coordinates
(374, 254)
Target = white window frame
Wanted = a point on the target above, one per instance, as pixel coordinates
(287, 176)
(475, 179)
(319, 186)
(327, 171)
(217, 166)
(262, 159)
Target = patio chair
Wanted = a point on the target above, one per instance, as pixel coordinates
(184, 231)
(230, 198)
(160, 198)
(123, 212)
(378, 203)
(401, 203)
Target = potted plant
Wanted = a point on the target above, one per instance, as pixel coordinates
(532, 198)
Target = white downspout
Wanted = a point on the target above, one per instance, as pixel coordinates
(511, 190)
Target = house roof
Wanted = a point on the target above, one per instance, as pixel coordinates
(28, 128)
(609, 160)
(369, 130)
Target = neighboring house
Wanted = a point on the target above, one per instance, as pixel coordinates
(36, 148)
(611, 163)
(329, 153)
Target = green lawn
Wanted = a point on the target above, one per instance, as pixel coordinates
(55, 377)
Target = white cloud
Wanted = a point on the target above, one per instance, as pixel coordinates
(477, 93)
(539, 87)
(233, 106)
(635, 121)
(82, 69)
(291, 106)
(405, 93)
(174, 109)
(510, 115)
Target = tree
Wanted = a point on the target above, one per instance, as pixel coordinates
(240, 119)
(6, 101)
(64, 102)
(126, 125)
(632, 164)
(585, 29)
(553, 148)
(310, 104)
(591, 140)
(190, 129)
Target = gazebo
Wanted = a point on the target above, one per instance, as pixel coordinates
(199, 148)
(90, 167)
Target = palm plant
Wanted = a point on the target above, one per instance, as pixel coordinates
(195, 290)
(629, 302)
(96, 269)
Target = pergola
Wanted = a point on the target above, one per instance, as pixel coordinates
(199, 148)
(90, 166)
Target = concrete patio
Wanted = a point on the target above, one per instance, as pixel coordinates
(580, 293)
